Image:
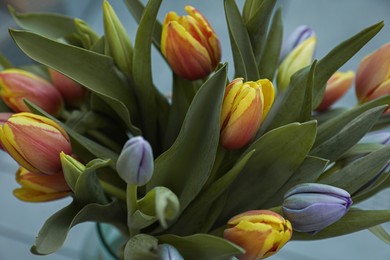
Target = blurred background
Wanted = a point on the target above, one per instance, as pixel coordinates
(333, 22)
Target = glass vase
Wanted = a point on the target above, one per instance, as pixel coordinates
(105, 242)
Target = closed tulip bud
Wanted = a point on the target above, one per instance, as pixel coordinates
(336, 87)
(17, 85)
(300, 57)
(244, 107)
(373, 75)
(168, 252)
(261, 233)
(135, 163)
(190, 44)
(72, 92)
(300, 34)
(312, 207)
(36, 187)
(35, 142)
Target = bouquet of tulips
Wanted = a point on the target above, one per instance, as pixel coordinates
(219, 168)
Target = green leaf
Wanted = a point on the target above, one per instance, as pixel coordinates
(193, 216)
(257, 26)
(324, 116)
(137, 8)
(270, 58)
(185, 166)
(337, 57)
(182, 94)
(244, 60)
(142, 74)
(87, 188)
(88, 37)
(202, 246)
(52, 235)
(118, 41)
(356, 174)
(92, 70)
(45, 24)
(354, 220)
(341, 142)
(308, 172)
(295, 104)
(380, 233)
(278, 155)
(140, 247)
(334, 125)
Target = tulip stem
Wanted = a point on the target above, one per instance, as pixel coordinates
(105, 140)
(113, 190)
(131, 194)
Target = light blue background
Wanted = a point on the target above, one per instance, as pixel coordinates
(333, 21)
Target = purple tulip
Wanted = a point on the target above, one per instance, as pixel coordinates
(311, 207)
(300, 34)
(168, 252)
(135, 163)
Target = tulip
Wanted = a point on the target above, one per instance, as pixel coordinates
(300, 57)
(72, 92)
(261, 233)
(35, 142)
(168, 252)
(300, 34)
(336, 87)
(135, 163)
(244, 108)
(312, 207)
(36, 187)
(373, 75)
(190, 44)
(17, 85)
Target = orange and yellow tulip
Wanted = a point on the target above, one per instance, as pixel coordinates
(261, 233)
(244, 108)
(16, 85)
(35, 142)
(37, 187)
(190, 44)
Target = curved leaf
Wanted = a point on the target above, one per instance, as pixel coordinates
(185, 167)
(278, 155)
(94, 71)
(244, 60)
(354, 220)
(45, 24)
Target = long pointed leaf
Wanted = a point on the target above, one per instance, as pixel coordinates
(95, 71)
(186, 166)
(244, 60)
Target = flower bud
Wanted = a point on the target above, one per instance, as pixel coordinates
(300, 57)
(261, 233)
(72, 92)
(36, 187)
(35, 142)
(312, 207)
(168, 252)
(244, 108)
(135, 163)
(190, 44)
(300, 34)
(336, 87)
(373, 75)
(17, 85)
